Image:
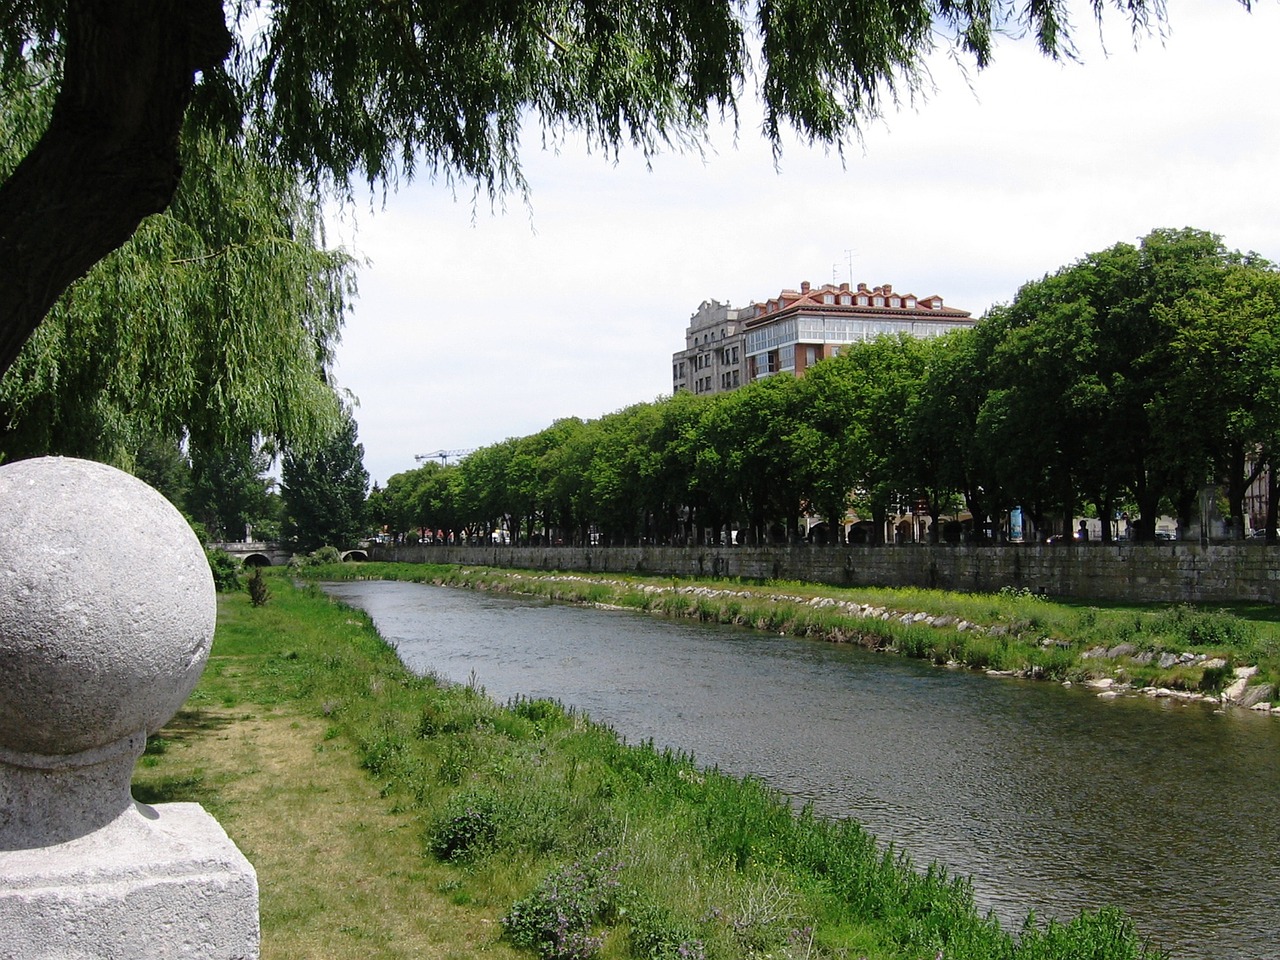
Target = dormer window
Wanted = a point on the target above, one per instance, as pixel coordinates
(828, 298)
(862, 301)
(911, 303)
(877, 302)
(895, 302)
(845, 299)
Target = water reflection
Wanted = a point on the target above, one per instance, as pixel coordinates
(1050, 798)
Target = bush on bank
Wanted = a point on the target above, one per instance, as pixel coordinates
(1012, 631)
(592, 847)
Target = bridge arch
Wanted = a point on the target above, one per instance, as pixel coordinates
(355, 555)
(255, 553)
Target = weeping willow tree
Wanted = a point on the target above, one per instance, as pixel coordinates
(215, 321)
(345, 90)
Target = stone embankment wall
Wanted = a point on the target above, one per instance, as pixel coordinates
(1174, 572)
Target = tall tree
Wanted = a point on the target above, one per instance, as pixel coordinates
(1223, 400)
(162, 464)
(1084, 358)
(882, 377)
(230, 494)
(375, 91)
(753, 455)
(324, 492)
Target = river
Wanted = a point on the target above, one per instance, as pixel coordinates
(1049, 797)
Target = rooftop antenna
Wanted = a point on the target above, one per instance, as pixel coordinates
(848, 261)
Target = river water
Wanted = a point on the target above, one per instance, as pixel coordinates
(1049, 797)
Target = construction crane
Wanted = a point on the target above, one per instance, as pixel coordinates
(443, 455)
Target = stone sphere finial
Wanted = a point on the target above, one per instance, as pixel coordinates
(107, 610)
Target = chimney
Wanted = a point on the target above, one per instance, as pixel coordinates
(804, 286)
(888, 288)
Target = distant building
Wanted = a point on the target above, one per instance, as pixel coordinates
(727, 347)
(712, 358)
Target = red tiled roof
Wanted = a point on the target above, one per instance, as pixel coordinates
(807, 297)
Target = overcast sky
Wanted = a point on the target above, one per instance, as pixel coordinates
(472, 328)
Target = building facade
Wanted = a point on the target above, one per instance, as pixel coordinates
(712, 358)
(726, 347)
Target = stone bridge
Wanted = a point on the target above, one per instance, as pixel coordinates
(264, 553)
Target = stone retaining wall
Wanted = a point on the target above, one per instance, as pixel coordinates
(1166, 572)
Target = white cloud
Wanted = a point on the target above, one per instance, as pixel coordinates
(469, 330)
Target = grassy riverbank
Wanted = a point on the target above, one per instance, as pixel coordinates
(1179, 651)
(394, 816)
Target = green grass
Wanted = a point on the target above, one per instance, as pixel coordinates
(535, 829)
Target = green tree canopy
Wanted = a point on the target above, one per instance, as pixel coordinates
(1087, 358)
(230, 495)
(377, 91)
(324, 492)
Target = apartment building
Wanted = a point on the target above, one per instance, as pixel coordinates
(727, 347)
(712, 358)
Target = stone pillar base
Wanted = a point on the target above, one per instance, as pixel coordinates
(156, 882)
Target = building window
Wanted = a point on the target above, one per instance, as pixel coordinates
(911, 303)
(862, 301)
(828, 298)
(845, 299)
(878, 302)
(895, 302)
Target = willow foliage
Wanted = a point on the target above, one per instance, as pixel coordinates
(384, 88)
(218, 319)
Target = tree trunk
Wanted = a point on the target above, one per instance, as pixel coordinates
(109, 157)
(1237, 483)
(1273, 488)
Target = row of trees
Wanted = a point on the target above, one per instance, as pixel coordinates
(164, 286)
(1125, 381)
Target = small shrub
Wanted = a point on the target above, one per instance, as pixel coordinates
(325, 554)
(557, 919)
(655, 934)
(1217, 629)
(543, 713)
(315, 558)
(259, 594)
(467, 829)
(225, 570)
